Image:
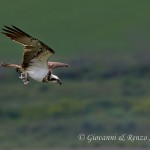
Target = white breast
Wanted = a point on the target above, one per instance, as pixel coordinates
(37, 70)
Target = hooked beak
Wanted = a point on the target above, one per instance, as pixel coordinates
(59, 82)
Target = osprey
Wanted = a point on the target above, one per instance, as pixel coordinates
(35, 58)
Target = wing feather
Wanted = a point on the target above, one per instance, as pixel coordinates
(23, 38)
(29, 53)
(34, 49)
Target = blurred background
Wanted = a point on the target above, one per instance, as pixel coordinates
(106, 89)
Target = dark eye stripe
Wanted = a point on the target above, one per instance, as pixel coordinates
(53, 79)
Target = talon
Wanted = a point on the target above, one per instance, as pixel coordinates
(21, 77)
(26, 82)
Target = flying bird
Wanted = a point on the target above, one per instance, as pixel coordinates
(35, 62)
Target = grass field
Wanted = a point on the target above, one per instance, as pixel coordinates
(105, 90)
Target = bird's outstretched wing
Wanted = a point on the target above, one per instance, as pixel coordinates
(33, 48)
(23, 38)
(53, 65)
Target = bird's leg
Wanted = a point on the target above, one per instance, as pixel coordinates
(26, 82)
(24, 77)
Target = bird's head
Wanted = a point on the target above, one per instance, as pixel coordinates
(54, 79)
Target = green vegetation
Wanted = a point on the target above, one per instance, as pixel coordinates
(106, 89)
